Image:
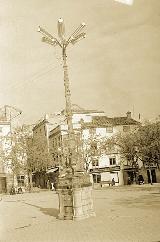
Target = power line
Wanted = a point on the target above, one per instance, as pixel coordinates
(38, 75)
(32, 79)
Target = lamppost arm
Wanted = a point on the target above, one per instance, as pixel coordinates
(48, 38)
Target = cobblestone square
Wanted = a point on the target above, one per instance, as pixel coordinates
(130, 213)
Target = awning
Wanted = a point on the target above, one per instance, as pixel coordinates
(2, 174)
(105, 169)
(52, 170)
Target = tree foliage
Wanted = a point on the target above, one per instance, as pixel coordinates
(142, 143)
(23, 154)
(15, 149)
(147, 141)
(38, 154)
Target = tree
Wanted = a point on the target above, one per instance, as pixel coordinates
(39, 154)
(93, 147)
(89, 151)
(148, 145)
(125, 144)
(16, 150)
(142, 144)
(24, 154)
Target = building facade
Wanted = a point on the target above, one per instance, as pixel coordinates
(58, 138)
(40, 143)
(5, 146)
(90, 129)
(106, 164)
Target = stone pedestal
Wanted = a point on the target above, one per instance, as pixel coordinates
(75, 197)
(82, 203)
(65, 204)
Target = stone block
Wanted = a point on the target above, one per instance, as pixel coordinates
(78, 211)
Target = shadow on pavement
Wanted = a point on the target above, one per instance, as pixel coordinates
(50, 211)
(47, 211)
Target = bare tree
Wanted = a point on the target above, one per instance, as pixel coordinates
(142, 144)
(147, 142)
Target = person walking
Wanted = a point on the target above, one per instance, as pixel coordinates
(48, 185)
(113, 182)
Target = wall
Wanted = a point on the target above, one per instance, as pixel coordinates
(5, 129)
(158, 175)
(77, 118)
(87, 117)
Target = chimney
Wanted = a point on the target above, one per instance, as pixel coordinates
(139, 116)
(46, 117)
(128, 115)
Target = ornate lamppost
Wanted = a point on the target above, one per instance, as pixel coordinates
(74, 189)
(63, 44)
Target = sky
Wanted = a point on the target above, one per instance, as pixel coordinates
(116, 68)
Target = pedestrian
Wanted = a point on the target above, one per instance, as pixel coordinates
(20, 190)
(52, 186)
(140, 180)
(113, 182)
(48, 185)
(12, 191)
(129, 180)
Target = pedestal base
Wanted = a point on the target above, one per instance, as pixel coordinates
(82, 203)
(65, 204)
(75, 198)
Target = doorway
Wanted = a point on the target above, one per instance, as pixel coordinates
(96, 178)
(153, 174)
(3, 184)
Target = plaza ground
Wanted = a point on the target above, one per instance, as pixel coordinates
(130, 213)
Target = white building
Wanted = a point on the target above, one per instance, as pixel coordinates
(5, 145)
(88, 125)
(7, 177)
(58, 135)
(107, 165)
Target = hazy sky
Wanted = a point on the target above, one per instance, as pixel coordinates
(115, 69)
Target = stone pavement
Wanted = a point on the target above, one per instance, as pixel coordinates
(130, 213)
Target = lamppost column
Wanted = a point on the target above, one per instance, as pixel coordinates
(74, 182)
(67, 92)
(71, 135)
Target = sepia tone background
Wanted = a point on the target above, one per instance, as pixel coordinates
(115, 69)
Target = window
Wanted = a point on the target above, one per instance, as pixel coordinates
(92, 131)
(109, 129)
(112, 161)
(20, 180)
(93, 148)
(95, 163)
(45, 131)
(96, 178)
(59, 141)
(126, 128)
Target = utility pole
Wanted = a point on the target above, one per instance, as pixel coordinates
(74, 185)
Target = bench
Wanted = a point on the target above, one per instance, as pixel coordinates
(105, 182)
